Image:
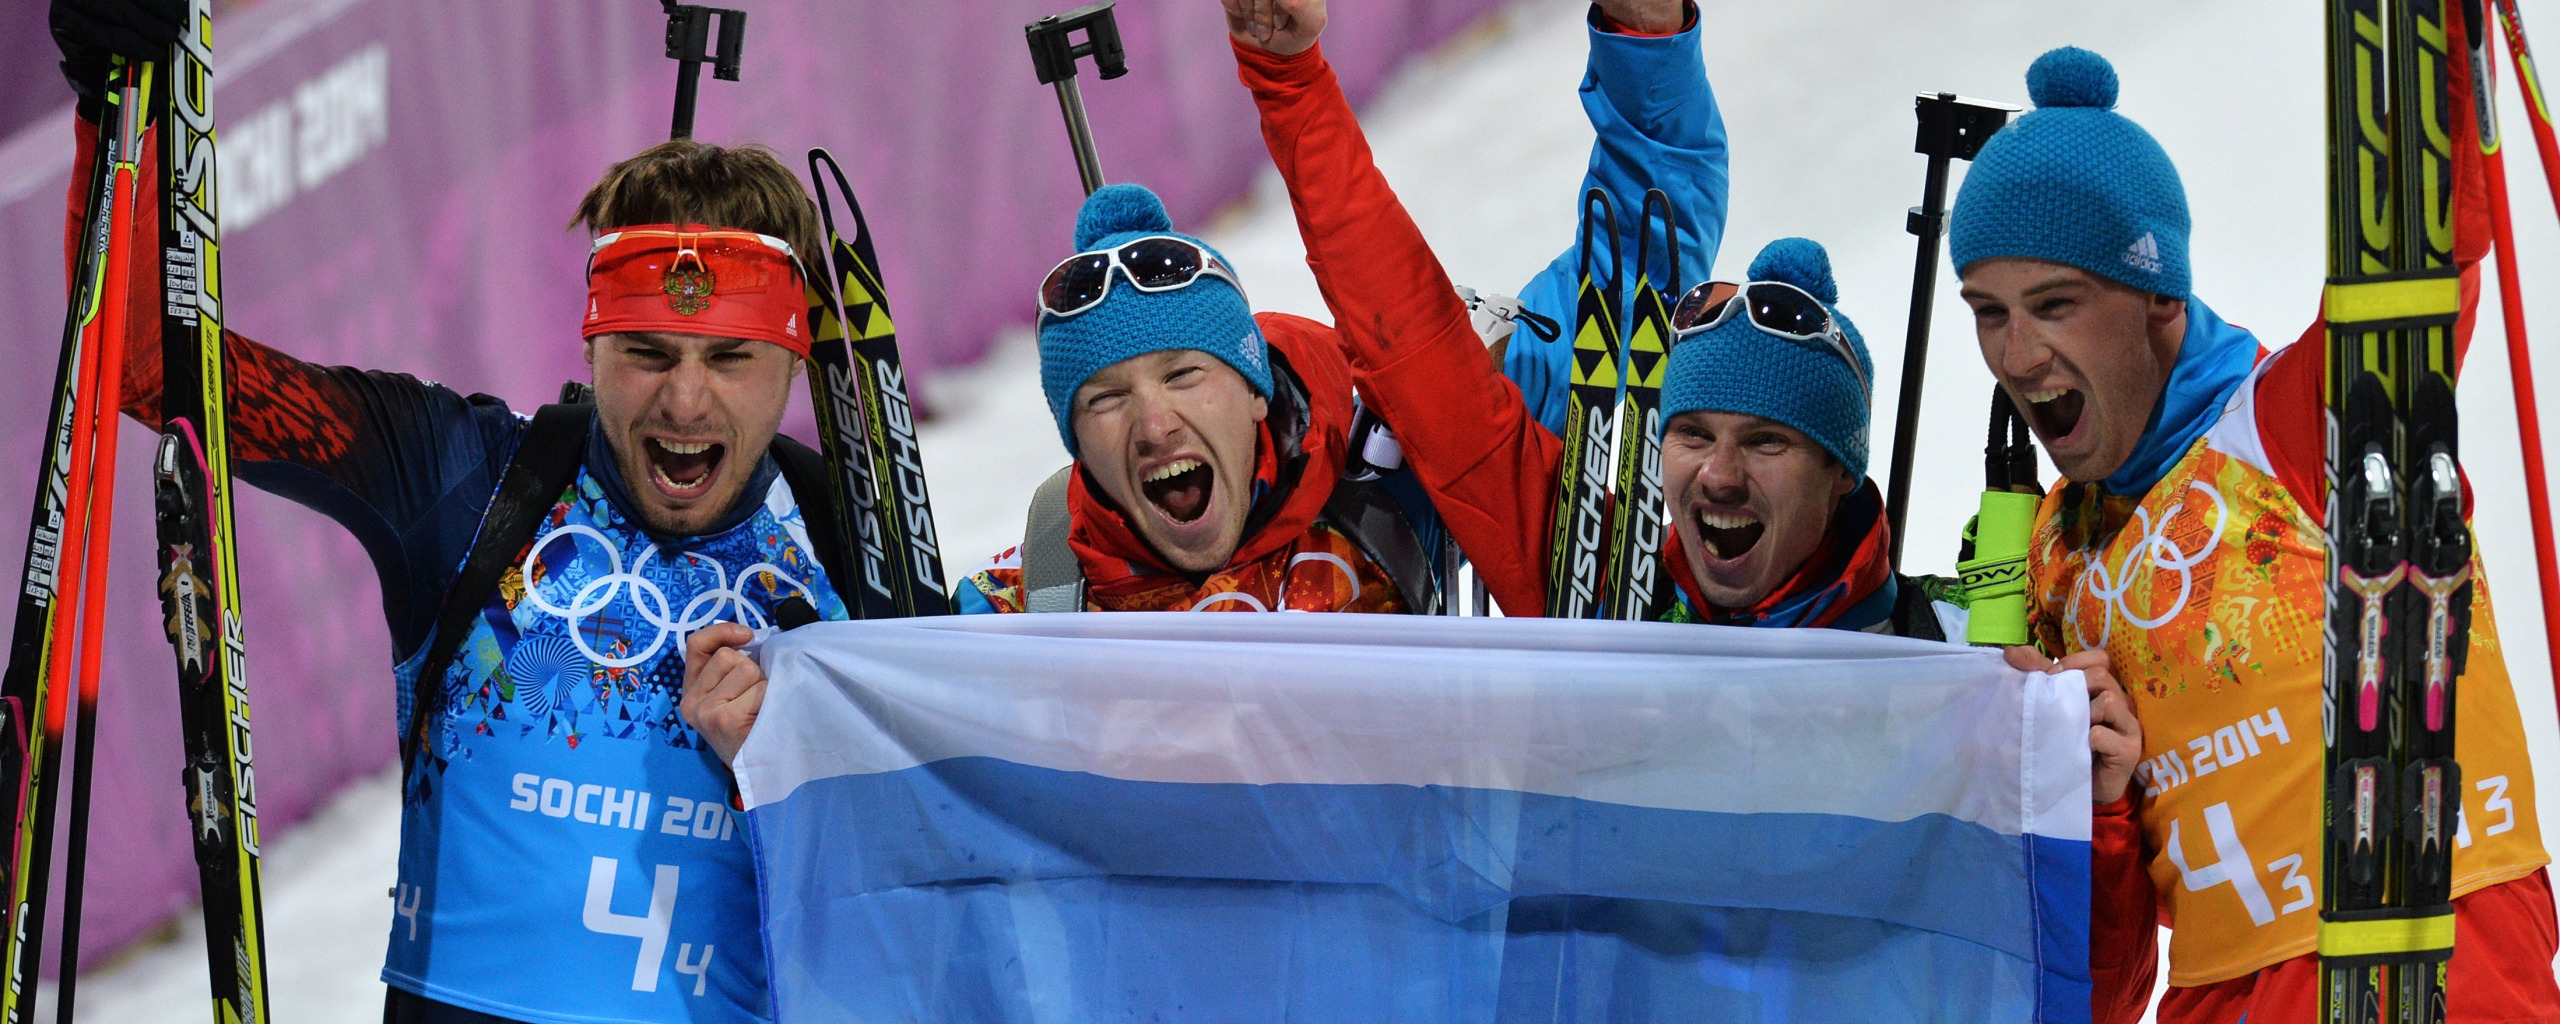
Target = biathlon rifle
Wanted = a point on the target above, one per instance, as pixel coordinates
(689, 44)
(1054, 53)
(1952, 128)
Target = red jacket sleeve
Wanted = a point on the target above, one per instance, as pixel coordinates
(285, 409)
(2124, 928)
(1489, 466)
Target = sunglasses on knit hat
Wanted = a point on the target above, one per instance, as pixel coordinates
(1156, 263)
(1775, 308)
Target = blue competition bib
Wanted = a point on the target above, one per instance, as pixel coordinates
(568, 853)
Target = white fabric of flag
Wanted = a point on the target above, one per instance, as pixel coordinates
(1252, 818)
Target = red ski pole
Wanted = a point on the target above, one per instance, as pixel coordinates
(113, 317)
(2511, 302)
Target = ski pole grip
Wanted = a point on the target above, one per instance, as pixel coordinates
(1995, 579)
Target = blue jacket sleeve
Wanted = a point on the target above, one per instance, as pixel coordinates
(1657, 127)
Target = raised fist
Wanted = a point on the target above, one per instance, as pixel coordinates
(1284, 27)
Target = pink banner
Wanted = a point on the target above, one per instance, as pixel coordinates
(396, 183)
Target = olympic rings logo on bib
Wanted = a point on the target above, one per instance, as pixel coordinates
(2110, 588)
(725, 599)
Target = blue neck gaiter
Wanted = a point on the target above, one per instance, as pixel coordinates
(2212, 361)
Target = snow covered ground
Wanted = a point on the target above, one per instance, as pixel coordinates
(1486, 142)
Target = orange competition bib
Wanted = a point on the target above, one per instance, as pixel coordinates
(2207, 594)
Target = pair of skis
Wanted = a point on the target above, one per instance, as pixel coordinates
(58, 642)
(866, 426)
(2399, 553)
(1605, 545)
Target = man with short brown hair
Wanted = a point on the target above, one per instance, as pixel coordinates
(2186, 540)
(568, 849)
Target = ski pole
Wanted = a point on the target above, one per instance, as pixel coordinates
(1053, 58)
(2511, 305)
(2537, 111)
(39, 681)
(1952, 128)
(689, 45)
(113, 315)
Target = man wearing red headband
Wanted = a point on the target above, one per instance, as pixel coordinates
(568, 849)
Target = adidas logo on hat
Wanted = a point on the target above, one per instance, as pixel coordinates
(2143, 254)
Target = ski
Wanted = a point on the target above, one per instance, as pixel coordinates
(38, 682)
(1638, 588)
(1577, 566)
(2398, 618)
(199, 569)
(865, 379)
(836, 394)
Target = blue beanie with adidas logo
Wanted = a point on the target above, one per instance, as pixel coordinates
(1209, 315)
(2076, 183)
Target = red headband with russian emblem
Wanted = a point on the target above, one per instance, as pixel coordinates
(691, 279)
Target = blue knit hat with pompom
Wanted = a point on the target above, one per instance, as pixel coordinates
(2076, 183)
(1737, 367)
(1209, 315)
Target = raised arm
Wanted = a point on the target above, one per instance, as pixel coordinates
(404, 465)
(1417, 360)
(1657, 126)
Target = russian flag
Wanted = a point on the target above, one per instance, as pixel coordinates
(1322, 818)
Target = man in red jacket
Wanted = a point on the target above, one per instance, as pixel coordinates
(1210, 445)
(2185, 539)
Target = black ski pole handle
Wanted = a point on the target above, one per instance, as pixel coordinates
(689, 44)
(1054, 53)
(1952, 128)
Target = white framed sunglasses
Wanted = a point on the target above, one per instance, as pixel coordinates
(1775, 308)
(1155, 263)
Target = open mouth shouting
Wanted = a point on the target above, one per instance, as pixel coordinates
(1179, 488)
(2055, 412)
(1728, 534)
(683, 470)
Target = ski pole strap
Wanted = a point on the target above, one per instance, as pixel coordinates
(2354, 938)
(2385, 302)
(546, 460)
(1051, 579)
(1995, 579)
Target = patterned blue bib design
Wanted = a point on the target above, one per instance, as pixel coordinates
(569, 853)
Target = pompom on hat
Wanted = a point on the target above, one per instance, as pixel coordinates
(1209, 315)
(2076, 183)
(1735, 367)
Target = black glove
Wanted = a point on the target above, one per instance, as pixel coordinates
(89, 32)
